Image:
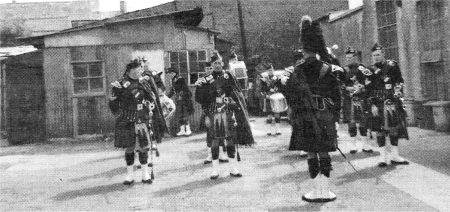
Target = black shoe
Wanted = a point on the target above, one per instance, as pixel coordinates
(382, 164)
(149, 181)
(367, 150)
(236, 175)
(128, 182)
(150, 164)
(214, 177)
(321, 200)
(138, 166)
(399, 162)
(278, 133)
(269, 134)
(207, 161)
(223, 161)
(352, 151)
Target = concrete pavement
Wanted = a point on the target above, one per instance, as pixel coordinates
(88, 177)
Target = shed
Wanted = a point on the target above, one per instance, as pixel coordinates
(81, 62)
(22, 95)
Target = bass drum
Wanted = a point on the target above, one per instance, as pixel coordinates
(278, 103)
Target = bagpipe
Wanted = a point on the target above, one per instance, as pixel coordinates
(357, 87)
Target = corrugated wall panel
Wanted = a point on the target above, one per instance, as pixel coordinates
(58, 107)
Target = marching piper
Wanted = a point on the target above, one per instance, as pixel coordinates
(226, 116)
(312, 91)
(385, 89)
(354, 80)
(135, 103)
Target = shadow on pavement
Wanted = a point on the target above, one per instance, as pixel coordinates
(104, 189)
(191, 168)
(105, 159)
(296, 177)
(307, 207)
(198, 154)
(108, 174)
(369, 173)
(200, 184)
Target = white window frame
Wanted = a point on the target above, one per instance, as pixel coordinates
(102, 77)
(186, 52)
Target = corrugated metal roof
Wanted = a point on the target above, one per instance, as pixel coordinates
(133, 16)
(342, 14)
(6, 52)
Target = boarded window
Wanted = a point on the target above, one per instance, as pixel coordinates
(88, 77)
(190, 64)
(387, 27)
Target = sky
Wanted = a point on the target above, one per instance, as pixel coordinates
(113, 5)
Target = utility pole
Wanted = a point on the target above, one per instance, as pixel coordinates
(241, 25)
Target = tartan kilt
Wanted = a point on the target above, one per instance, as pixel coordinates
(393, 124)
(303, 135)
(125, 135)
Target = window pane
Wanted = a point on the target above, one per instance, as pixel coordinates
(173, 57)
(202, 66)
(193, 66)
(96, 85)
(80, 70)
(80, 86)
(183, 57)
(185, 76)
(174, 65)
(95, 70)
(192, 56)
(183, 67)
(202, 55)
(194, 78)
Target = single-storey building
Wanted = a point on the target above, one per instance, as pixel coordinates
(80, 63)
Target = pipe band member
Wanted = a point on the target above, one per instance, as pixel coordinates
(135, 104)
(271, 84)
(356, 75)
(313, 93)
(385, 88)
(226, 116)
(184, 105)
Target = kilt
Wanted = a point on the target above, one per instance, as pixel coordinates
(303, 135)
(125, 136)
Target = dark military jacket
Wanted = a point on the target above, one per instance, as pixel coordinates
(224, 83)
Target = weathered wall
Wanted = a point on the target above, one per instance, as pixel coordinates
(115, 45)
(58, 105)
(271, 27)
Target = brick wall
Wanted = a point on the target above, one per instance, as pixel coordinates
(271, 27)
(47, 17)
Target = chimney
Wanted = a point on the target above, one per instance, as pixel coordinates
(123, 7)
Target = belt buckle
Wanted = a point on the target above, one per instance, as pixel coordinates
(318, 101)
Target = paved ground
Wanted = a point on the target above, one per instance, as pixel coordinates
(88, 176)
